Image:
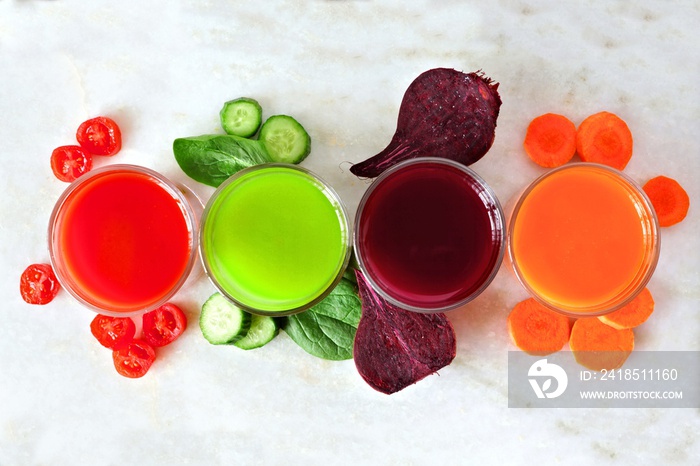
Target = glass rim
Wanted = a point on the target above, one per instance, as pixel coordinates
(652, 243)
(176, 190)
(330, 194)
(498, 216)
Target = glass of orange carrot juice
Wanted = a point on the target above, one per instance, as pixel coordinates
(583, 239)
(122, 239)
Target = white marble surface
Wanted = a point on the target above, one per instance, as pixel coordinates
(163, 69)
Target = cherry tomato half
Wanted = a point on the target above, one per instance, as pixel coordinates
(164, 325)
(134, 359)
(113, 332)
(69, 162)
(100, 136)
(38, 284)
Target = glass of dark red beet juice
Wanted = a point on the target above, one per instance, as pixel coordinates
(429, 234)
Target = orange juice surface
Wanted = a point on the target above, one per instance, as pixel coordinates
(580, 238)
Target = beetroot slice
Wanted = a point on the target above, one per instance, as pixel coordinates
(395, 348)
(444, 113)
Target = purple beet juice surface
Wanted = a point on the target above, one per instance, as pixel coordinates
(429, 234)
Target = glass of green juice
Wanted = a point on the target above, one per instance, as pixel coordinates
(275, 239)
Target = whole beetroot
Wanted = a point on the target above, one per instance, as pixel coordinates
(395, 348)
(444, 113)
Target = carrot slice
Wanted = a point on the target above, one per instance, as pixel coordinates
(598, 346)
(550, 140)
(635, 313)
(669, 199)
(536, 329)
(604, 138)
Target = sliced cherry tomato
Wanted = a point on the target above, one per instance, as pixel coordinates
(134, 359)
(38, 284)
(113, 332)
(164, 325)
(100, 136)
(69, 162)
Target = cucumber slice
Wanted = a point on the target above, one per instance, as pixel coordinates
(241, 117)
(222, 322)
(262, 330)
(285, 139)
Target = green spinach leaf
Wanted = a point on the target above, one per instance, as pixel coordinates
(327, 330)
(211, 159)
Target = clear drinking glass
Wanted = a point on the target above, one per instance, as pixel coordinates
(583, 239)
(275, 239)
(429, 234)
(122, 239)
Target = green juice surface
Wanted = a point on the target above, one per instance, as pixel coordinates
(274, 239)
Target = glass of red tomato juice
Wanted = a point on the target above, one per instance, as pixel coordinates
(122, 239)
(583, 239)
(429, 235)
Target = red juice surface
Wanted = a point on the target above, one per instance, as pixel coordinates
(123, 240)
(428, 235)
